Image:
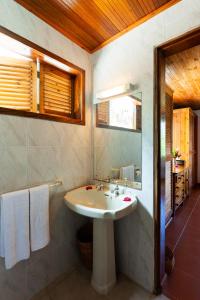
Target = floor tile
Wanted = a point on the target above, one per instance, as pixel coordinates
(190, 264)
(183, 236)
(77, 286)
(182, 286)
(74, 287)
(46, 297)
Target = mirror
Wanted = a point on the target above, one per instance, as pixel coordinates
(118, 140)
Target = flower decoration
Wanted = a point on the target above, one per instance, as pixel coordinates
(176, 153)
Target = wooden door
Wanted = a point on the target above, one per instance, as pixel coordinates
(168, 163)
(195, 154)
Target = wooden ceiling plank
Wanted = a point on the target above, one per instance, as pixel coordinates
(110, 13)
(78, 19)
(144, 6)
(137, 23)
(156, 3)
(147, 6)
(151, 5)
(93, 24)
(59, 22)
(137, 8)
(161, 2)
(121, 11)
(90, 13)
(133, 8)
(128, 11)
(64, 22)
(183, 76)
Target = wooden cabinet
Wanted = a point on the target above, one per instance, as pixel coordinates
(184, 121)
(180, 186)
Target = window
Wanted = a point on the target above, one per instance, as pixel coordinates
(17, 84)
(56, 91)
(39, 85)
(120, 113)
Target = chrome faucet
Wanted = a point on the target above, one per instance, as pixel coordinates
(116, 190)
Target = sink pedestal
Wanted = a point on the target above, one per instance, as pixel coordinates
(104, 207)
(104, 273)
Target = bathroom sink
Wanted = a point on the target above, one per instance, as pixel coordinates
(99, 204)
(104, 207)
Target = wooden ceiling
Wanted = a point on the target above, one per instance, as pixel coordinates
(183, 77)
(94, 23)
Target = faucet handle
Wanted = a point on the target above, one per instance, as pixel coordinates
(117, 188)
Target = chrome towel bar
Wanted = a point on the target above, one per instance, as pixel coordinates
(50, 184)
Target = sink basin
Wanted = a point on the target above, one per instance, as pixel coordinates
(99, 204)
(104, 207)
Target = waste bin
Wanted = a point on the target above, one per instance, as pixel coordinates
(85, 244)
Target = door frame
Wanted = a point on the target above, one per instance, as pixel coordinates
(181, 43)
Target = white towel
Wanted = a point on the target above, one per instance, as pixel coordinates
(14, 233)
(127, 172)
(39, 217)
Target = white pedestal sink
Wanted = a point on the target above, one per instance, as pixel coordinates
(103, 207)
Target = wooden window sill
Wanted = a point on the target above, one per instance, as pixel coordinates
(29, 114)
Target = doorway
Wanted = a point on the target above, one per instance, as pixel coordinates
(161, 155)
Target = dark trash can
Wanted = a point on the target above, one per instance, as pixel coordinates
(85, 244)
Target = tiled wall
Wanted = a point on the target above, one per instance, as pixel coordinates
(115, 149)
(35, 151)
(131, 59)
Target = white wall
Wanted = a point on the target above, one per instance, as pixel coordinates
(131, 59)
(35, 151)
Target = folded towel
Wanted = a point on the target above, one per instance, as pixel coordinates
(39, 217)
(14, 233)
(127, 172)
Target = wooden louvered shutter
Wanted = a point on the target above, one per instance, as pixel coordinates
(103, 113)
(56, 91)
(17, 84)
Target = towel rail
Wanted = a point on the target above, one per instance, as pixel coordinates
(50, 184)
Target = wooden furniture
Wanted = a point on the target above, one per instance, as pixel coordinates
(184, 121)
(180, 186)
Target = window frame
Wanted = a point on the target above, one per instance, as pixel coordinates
(38, 115)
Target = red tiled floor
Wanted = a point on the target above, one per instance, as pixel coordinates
(182, 286)
(183, 236)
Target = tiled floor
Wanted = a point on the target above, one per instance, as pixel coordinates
(183, 236)
(76, 286)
